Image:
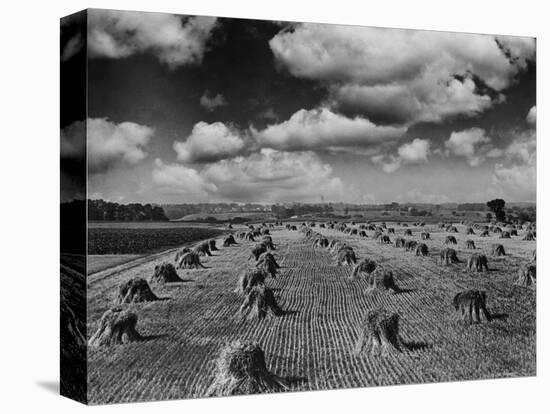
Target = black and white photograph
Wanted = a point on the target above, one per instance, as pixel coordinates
(274, 206)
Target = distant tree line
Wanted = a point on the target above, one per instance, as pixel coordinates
(101, 210)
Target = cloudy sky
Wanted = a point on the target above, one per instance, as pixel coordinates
(198, 109)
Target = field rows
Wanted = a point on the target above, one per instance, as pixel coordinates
(316, 338)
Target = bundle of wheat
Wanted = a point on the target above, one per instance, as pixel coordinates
(410, 245)
(203, 249)
(450, 240)
(448, 256)
(513, 232)
(390, 230)
(249, 236)
(505, 235)
(529, 236)
(425, 235)
(257, 250)
(468, 304)
(470, 231)
(382, 280)
(353, 232)
(267, 262)
(408, 232)
(384, 239)
(181, 253)
(400, 242)
(166, 273)
(421, 250)
(452, 229)
(250, 278)
(321, 242)
(268, 243)
(135, 290)
(268, 257)
(229, 240)
(241, 369)
(212, 245)
(346, 256)
(190, 260)
(477, 263)
(498, 250)
(484, 233)
(117, 326)
(470, 244)
(365, 266)
(379, 333)
(527, 276)
(258, 303)
(363, 234)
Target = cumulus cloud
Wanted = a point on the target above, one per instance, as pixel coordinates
(181, 180)
(409, 75)
(516, 181)
(111, 145)
(266, 176)
(174, 40)
(209, 143)
(424, 99)
(414, 152)
(514, 176)
(469, 144)
(532, 115)
(72, 47)
(73, 141)
(212, 103)
(323, 129)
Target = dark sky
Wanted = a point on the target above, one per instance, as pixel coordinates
(184, 109)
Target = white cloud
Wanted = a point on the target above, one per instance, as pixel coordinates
(532, 115)
(73, 141)
(516, 181)
(405, 73)
(173, 39)
(181, 180)
(267, 176)
(323, 129)
(209, 143)
(468, 143)
(212, 103)
(72, 47)
(424, 99)
(414, 152)
(111, 145)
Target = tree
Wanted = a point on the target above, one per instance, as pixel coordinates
(497, 207)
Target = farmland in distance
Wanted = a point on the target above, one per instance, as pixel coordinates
(112, 244)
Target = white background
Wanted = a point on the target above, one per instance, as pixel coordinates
(29, 162)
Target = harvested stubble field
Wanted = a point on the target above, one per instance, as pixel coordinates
(315, 340)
